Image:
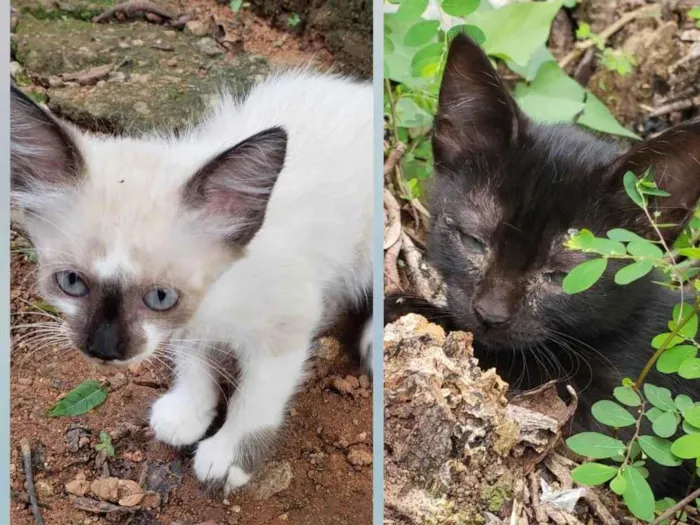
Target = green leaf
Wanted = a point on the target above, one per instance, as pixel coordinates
(680, 312)
(627, 396)
(607, 246)
(105, 443)
(671, 360)
(236, 5)
(517, 30)
(595, 445)
(630, 183)
(683, 403)
(634, 271)
(618, 485)
(410, 10)
(622, 235)
(410, 115)
(426, 61)
(552, 97)
(529, 73)
(596, 116)
(644, 248)
(661, 339)
(45, 307)
(690, 368)
(687, 447)
(690, 429)
(583, 276)
(459, 8)
(692, 416)
(653, 414)
(665, 425)
(659, 450)
(693, 253)
(611, 414)
(659, 397)
(592, 474)
(83, 398)
(421, 33)
(638, 497)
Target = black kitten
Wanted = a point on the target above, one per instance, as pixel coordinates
(505, 195)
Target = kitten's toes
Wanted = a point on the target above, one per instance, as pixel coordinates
(214, 464)
(178, 421)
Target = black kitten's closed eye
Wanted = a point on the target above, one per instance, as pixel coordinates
(556, 278)
(470, 242)
(71, 283)
(161, 299)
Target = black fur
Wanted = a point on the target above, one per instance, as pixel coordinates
(506, 192)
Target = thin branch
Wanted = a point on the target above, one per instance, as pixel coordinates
(678, 506)
(31, 489)
(608, 32)
(394, 157)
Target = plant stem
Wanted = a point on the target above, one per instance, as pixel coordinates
(647, 368)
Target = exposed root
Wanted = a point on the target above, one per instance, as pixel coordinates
(128, 9)
(29, 477)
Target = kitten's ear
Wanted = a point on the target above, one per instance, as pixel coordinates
(674, 158)
(44, 158)
(234, 187)
(476, 114)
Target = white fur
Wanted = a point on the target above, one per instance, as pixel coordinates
(313, 250)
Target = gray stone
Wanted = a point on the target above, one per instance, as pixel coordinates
(210, 47)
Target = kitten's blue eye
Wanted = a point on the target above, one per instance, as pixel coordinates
(160, 299)
(71, 284)
(554, 277)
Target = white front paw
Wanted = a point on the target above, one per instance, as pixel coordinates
(178, 420)
(214, 462)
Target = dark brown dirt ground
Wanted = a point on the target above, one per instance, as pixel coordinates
(330, 420)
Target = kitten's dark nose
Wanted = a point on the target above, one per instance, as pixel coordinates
(491, 314)
(104, 342)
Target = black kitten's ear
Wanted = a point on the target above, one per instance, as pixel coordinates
(674, 158)
(44, 158)
(233, 188)
(476, 114)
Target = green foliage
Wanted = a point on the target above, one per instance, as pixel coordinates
(293, 20)
(105, 444)
(694, 13)
(615, 60)
(236, 5)
(415, 50)
(83, 398)
(674, 352)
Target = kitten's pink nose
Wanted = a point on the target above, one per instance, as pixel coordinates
(491, 313)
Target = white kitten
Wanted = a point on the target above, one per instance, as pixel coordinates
(243, 236)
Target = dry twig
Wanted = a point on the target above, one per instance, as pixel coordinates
(414, 261)
(540, 513)
(678, 506)
(393, 159)
(31, 489)
(609, 31)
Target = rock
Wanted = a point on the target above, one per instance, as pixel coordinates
(344, 385)
(364, 381)
(210, 47)
(132, 500)
(76, 438)
(126, 488)
(51, 48)
(275, 478)
(328, 349)
(360, 456)
(151, 500)
(44, 489)
(16, 70)
(118, 381)
(106, 489)
(136, 456)
(77, 487)
(196, 28)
